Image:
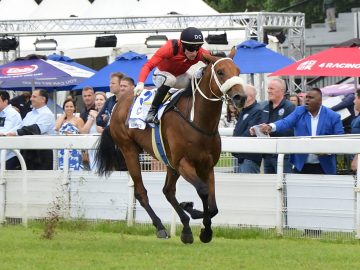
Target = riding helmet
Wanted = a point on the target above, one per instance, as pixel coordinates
(192, 35)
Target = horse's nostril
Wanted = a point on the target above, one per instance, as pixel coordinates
(238, 101)
(236, 98)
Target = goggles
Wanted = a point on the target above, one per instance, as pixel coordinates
(192, 47)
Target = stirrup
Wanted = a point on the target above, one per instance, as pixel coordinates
(152, 119)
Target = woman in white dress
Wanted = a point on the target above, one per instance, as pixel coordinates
(68, 123)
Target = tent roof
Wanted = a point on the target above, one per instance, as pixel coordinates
(111, 8)
(17, 9)
(53, 9)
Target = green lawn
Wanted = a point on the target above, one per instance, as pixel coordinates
(22, 248)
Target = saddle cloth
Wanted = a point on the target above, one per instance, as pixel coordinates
(142, 106)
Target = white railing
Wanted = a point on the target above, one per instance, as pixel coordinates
(347, 144)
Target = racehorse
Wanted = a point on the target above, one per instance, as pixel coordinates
(192, 146)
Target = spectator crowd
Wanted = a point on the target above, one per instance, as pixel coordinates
(279, 116)
(302, 114)
(28, 114)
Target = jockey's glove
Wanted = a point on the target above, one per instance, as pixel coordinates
(138, 88)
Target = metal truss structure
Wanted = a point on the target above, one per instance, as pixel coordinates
(255, 25)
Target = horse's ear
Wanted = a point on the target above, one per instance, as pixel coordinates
(218, 53)
(232, 52)
(207, 58)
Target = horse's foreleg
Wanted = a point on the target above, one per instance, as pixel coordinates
(169, 191)
(206, 191)
(210, 208)
(190, 175)
(132, 162)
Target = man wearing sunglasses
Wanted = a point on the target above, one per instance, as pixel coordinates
(172, 61)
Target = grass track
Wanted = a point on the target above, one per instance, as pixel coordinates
(22, 248)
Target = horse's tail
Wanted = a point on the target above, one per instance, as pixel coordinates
(107, 157)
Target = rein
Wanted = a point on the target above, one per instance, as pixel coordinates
(224, 88)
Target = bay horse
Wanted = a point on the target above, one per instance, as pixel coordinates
(192, 147)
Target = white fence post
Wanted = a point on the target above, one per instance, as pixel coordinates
(65, 183)
(280, 198)
(131, 202)
(357, 190)
(24, 188)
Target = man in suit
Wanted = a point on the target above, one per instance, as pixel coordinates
(313, 119)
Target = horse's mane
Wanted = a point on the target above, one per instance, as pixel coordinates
(188, 90)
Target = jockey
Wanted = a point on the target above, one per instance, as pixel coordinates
(172, 61)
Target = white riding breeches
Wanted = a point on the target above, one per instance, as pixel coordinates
(166, 78)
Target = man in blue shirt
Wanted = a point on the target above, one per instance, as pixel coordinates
(10, 120)
(103, 117)
(119, 84)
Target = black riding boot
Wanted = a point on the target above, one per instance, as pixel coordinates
(160, 94)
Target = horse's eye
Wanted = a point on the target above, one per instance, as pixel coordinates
(219, 72)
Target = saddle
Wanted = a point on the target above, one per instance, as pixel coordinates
(142, 103)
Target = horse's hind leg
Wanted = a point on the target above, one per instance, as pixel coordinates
(132, 161)
(169, 191)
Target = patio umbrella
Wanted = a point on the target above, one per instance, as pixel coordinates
(342, 60)
(253, 57)
(37, 71)
(67, 60)
(129, 63)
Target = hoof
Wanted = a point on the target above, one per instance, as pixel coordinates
(187, 205)
(187, 238)
(205, 235)
(162, 234)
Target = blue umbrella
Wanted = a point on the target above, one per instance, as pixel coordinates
(129, 63)
(253, 57)
(36, 71)
(67, 60)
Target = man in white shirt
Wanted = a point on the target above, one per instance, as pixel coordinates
(40, 121)
(10, 120)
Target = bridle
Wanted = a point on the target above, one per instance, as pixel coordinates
(224, 88)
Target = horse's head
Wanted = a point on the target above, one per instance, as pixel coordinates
(225, 82)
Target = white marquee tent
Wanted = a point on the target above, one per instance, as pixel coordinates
(17, 9)
(112, 8)
(83, 45)
(54, 9)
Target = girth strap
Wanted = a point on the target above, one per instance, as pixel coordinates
(158, 146)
